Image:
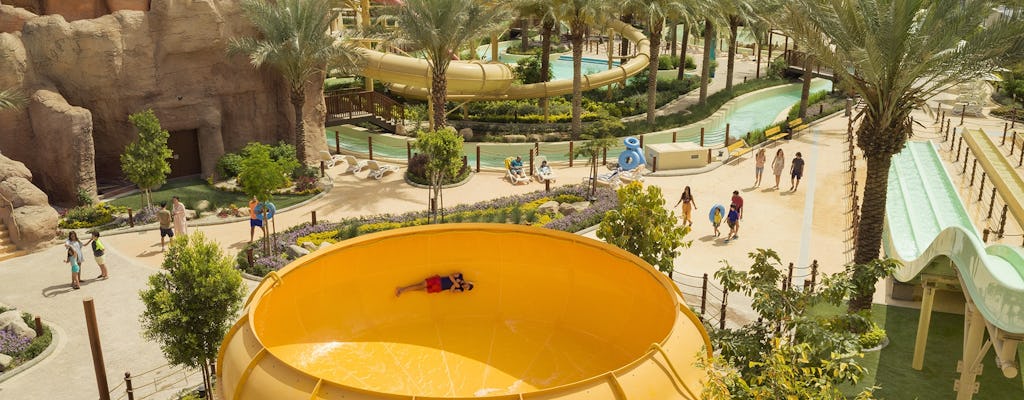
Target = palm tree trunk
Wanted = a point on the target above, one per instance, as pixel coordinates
(547, 27)
(438, 95)
(298, 103)
(731, 64)
(577, 81)
(682, 54)
(673, 36)
(705, 67)
(624, 45)
(652, 71)
(872, 212)
(524, 33)
(805, 92)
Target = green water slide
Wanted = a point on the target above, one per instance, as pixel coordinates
(928, 229)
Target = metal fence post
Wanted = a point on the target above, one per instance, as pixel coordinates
(814, 274)
(981, 188)
(702, 136)
(369, 145)
(571, 155)
(128, 386)
(477, 158)
(312, 216)
(991, 203)
(1002, 221)
(131, 218)
(97, 349)
(721, 315)
(789, 277)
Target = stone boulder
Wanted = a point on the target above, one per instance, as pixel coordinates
(467, 133)
(515, 138)
(5, 361)
(11, 321)
(37, 225)
(296, 251)
(324, 244)
(67, 158)
(308, 246)
(572, 208)
(21, 192)
(12, 19)
(550, 207)
(203, 205)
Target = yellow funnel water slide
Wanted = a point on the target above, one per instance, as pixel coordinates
(929, 230)
(479, 80)
(552, 316)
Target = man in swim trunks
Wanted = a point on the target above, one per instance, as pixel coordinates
(796, 172)
(454, 283)
(255, 221)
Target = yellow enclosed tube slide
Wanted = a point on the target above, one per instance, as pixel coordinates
(552, 316)
(478, 80)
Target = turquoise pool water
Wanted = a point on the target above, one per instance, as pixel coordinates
(746, 115)
(561, 67)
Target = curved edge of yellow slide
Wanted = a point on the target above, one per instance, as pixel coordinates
(478, 80)
(667, 370)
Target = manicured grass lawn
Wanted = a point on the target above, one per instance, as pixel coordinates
(891, 369)
(191, 190)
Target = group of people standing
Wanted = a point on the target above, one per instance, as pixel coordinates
(796, 169)
(76, 257)
(171, 221)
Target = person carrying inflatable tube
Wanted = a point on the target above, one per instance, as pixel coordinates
(633, 156)
(257, 216)
(716, 216)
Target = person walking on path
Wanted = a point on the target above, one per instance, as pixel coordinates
(716, 220)
(737, 201)
(688, 205)
(98, 250)
(734, 224)
(777, 165)
(759, 159)
(164, 217)
(178, 211)
(77, 245)
(254, 220)
(796, 172)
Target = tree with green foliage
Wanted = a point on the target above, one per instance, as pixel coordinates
(786, 318)
(441, 28)
(580, 16)
(190, 306)
(592, 150)
(786, 371)
(528, 70)
(144, 161)
(897, 54)
(654, 12)
(641, 225)
(444, 150)
(261, 175)
(541, 9)
(295, 41)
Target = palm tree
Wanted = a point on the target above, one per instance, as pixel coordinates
(655, 12)
(542, 10)
(579, 15)
(896, 54)
(705, 63)
(295, 42)
(440, 28)
(687, 22)
(741, 12)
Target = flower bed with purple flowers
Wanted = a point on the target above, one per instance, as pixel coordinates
(518, 209)
(20, 348)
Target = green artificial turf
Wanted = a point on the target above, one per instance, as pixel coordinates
(890, 368)
(191, 190)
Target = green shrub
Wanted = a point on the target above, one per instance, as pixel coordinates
(230, 165)
(690, 64)
(813, 98)
(528, 70)
(317, 238)
(667, 62)
(1009, 112)
(83, 197)
(568, 198)
(872, 338)
(90, 216)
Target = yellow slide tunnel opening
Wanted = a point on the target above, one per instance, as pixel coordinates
(552, 316)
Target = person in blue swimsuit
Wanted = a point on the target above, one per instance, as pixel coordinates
(454, 283)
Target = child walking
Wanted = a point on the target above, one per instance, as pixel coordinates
(734, 223)
(717, 220)
(98, 250)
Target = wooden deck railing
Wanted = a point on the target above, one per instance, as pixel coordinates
(346, 105)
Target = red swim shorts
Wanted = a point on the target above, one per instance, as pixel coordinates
(434, 284)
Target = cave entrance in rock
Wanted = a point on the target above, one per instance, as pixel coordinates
(185, 145)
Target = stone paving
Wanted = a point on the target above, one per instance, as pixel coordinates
(809, 224)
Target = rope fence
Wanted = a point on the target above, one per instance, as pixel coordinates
(157, 380)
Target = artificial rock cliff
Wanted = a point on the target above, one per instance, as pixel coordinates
(83, 78)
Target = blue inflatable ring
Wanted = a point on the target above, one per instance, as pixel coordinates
(711, 214)
(270, 210)
(632, 157)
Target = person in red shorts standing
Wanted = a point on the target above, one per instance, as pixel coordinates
(454, 283)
